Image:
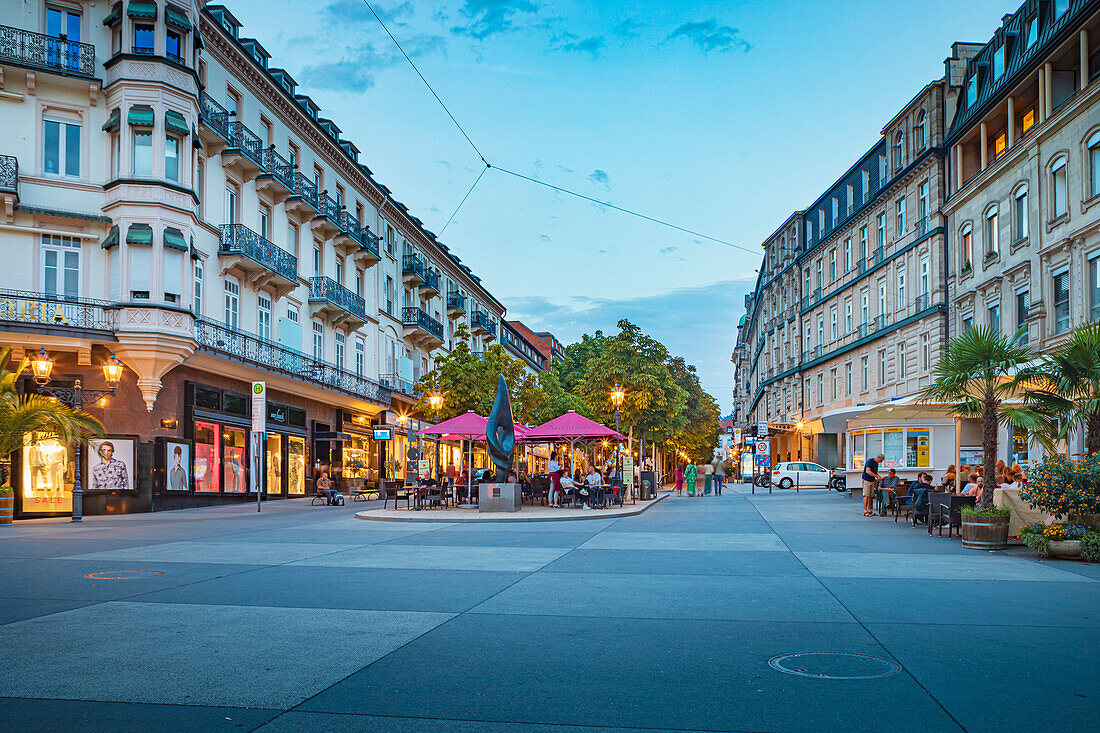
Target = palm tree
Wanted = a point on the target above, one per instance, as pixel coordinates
(22, 415)
(1067, 385)
(977, 372)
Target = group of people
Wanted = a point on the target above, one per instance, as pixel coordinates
(1008, 477)
(687, 475)
(588, 488)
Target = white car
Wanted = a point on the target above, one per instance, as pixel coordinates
(802, 474)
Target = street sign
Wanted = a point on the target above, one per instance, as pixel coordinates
(737, 435)
(762, 429)
(763, 461)
(259, 407)
(628, 470)
(762, 447)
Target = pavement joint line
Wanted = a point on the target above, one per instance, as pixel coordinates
(437, 626)
(151, 704)
(866, 630)
(599, 726)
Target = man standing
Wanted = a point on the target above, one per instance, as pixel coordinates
(719, 475)
(870, 476)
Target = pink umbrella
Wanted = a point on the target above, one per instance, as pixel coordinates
(469, 426)
(570, 427)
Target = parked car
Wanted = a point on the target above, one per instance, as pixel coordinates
(801, 473)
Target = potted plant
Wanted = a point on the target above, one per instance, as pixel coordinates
(1059, 540)
(985, 527)
(1067, 489)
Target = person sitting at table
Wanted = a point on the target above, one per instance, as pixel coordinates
(887, 484)
(972, 488)
(567, 488)
(578, 477)
(594, 485)
(948, 479)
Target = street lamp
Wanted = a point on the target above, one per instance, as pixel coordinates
(76, 397)
(617, 395)
(435, 399)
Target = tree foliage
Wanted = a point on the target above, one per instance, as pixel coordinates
(1065, 388)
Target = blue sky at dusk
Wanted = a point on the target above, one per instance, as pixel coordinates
(721, 117)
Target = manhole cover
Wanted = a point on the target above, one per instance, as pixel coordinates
(834, 665)
(123, 574)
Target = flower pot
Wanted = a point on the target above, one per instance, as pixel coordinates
(1064, 548)
(981, 532)
(7, 508)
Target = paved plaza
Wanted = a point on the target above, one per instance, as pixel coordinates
(306, 618)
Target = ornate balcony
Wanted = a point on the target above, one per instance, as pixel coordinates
(327, 221)
(269, 356)
(456, 304)
(481, 323)
(277, 178)
(430, 287)
(213, 124)
(245, 151)
(349, 238)
(412, 270)
(9, 186)
(336, 304)
(304, 203)
(38, 51)
(367, 254)
(395, 383)
(420, 328)
(255, 260)
(41, 313)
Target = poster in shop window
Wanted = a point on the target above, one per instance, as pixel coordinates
(111, 464)
(893, 447)
(177, 459)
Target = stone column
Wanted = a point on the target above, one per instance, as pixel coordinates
(1084, 36)
(984, 160)
(1010, 134)
(1041, 107)
(1048, 75)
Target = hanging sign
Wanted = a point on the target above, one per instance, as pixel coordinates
(259, 407)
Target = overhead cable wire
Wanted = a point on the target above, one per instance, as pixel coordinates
(430, 89)
(662, 222)
(479, 175)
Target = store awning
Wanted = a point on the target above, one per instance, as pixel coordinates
(111, 240)
(196, 141)
(141, 10)
(174, 238)
(176, 18)
(140, 115)
(139, 234)
(113, 121)
(114, 17)
(174, 122)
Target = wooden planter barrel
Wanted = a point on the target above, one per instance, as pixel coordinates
(7, 509)
(984, 533)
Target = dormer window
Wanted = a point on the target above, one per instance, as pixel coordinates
(998, 63)
(1060, 8)
(1029, 31)
(899, 150)
(972, 90)
(920, 132)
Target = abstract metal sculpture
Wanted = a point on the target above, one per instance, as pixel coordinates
(500, 432)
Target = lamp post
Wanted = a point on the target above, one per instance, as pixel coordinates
(75, 397)
(617, 395)
(435, 399)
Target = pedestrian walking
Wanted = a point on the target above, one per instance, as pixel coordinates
(689, 477)
(719, 476)
(680, 480)
(708, 472)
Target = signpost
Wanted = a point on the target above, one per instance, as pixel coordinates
(259, 427)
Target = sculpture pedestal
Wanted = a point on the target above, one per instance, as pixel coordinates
(498, 498)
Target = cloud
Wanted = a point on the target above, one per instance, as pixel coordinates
(627, 29)
(492, 17)
(357, 11)
(591, 45)
(708, 36)
(707, 344)
(671, 252)
(359, 66)
(545, 238)
(600, 178)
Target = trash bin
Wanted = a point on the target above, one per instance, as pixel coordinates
(647, 485)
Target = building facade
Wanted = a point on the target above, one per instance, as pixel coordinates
(977, 205)
(171, 197)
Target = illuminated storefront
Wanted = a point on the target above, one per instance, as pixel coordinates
(47, 476)
(218, 424)
(285, 452)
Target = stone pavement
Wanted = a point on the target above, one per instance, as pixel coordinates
(306, 618)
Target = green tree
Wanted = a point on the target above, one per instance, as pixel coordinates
(23, 415)
(558, 401)
(977, 373)
(699, 436)
(1065, 390)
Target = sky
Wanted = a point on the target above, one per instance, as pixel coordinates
(718, 117)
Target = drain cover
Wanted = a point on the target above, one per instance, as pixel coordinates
(123, 574)
(834, 665)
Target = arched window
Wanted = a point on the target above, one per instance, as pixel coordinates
(1094, 164)
(991, 234)
(1059, 189)
(920, 132)
(966, 254)
(899, 150)
(1019, 213)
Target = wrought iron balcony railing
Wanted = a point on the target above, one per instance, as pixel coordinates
(349, 224)
(307, 190)
(431, 279)
(214, 115)
(923, 301)
(329, 208)
(281, 360)
(9, 174)
(246, 141)
(412, 265)
(277, 166)
(237, 239)
(456, 301)
(418, 318)
(39, 51)
(480, 319)
(325, 288)
(371, 243)
(57, 311)
(398, 384)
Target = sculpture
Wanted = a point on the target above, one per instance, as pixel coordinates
(500, 432)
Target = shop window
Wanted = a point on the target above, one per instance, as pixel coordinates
(273, 481)
(61, 148)
(236, 403)
(234, 462)
(874, 443)
(47, 475)
(917, 444)
(857, 439)
(207, 470)
(296, 466)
